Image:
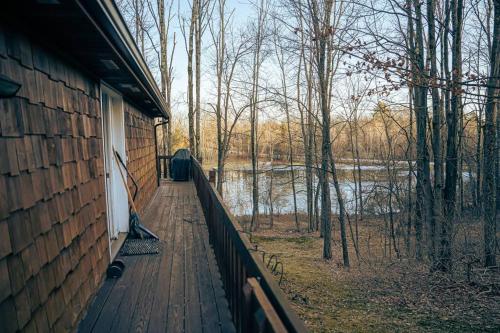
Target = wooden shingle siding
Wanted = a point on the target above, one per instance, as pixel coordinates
(141, 154)
(53, 231)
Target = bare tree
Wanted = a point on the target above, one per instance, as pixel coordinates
(280, 56)
(227, 59)
(489, 153)
(424, 202)
(320, 18)
(306, 114)
(189, 36)
(436, 219)
(166, 65)
(452, 119)
(204, 13)
(254, 102)
(197, 110)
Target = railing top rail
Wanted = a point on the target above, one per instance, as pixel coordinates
(274, 320)
(253, 265)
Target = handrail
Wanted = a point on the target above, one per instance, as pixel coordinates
(238, 262)
(262, 316)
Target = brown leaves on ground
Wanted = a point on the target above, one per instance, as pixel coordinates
(383, 295)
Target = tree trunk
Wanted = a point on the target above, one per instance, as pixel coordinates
(409, 158)
(292, 171)
(424, 200)
(254, 117)
(192, 24)
(220, 50)
(320, 36)
(436, 133)
(306, 126)
(342, 211)
(450, 190)
(358, 163)
(281, 62)
(390, 177)
(197, 109)
(310, 146)
(271, 183)
(489, 153)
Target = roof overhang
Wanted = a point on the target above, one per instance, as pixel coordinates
(94, 35)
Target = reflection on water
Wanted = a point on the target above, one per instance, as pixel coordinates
(237, 189)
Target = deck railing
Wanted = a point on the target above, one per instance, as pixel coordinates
(162, 166)
(256, 302)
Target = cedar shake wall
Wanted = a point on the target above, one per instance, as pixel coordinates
(141, 154)
(53, 237)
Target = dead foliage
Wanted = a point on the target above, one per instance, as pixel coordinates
(379, 294)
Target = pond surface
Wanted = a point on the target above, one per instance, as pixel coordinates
(276, 184)
(237, 188)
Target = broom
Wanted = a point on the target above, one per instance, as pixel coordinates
(136, 227)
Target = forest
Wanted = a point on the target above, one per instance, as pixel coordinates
(356, 141)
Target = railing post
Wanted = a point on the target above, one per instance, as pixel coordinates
(158, 174)
(165, 169)
(247, 308)
(211, 176)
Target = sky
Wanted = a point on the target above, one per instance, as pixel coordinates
(242, 13)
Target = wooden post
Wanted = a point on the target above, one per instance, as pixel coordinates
(211, 176)
(246, 324)
(165, 168)
(158, 167)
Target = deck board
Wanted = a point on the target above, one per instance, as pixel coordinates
(178, 290)
(192, 304)
(205, 286)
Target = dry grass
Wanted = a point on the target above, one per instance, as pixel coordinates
(377, 294)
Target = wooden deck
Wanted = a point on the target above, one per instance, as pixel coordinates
(178, 290)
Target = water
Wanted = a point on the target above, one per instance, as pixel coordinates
(237, 189)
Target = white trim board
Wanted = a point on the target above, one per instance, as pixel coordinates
(113, 131)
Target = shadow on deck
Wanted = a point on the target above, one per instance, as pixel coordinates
(178, 290)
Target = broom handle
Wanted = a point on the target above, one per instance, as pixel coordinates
(125, 183)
